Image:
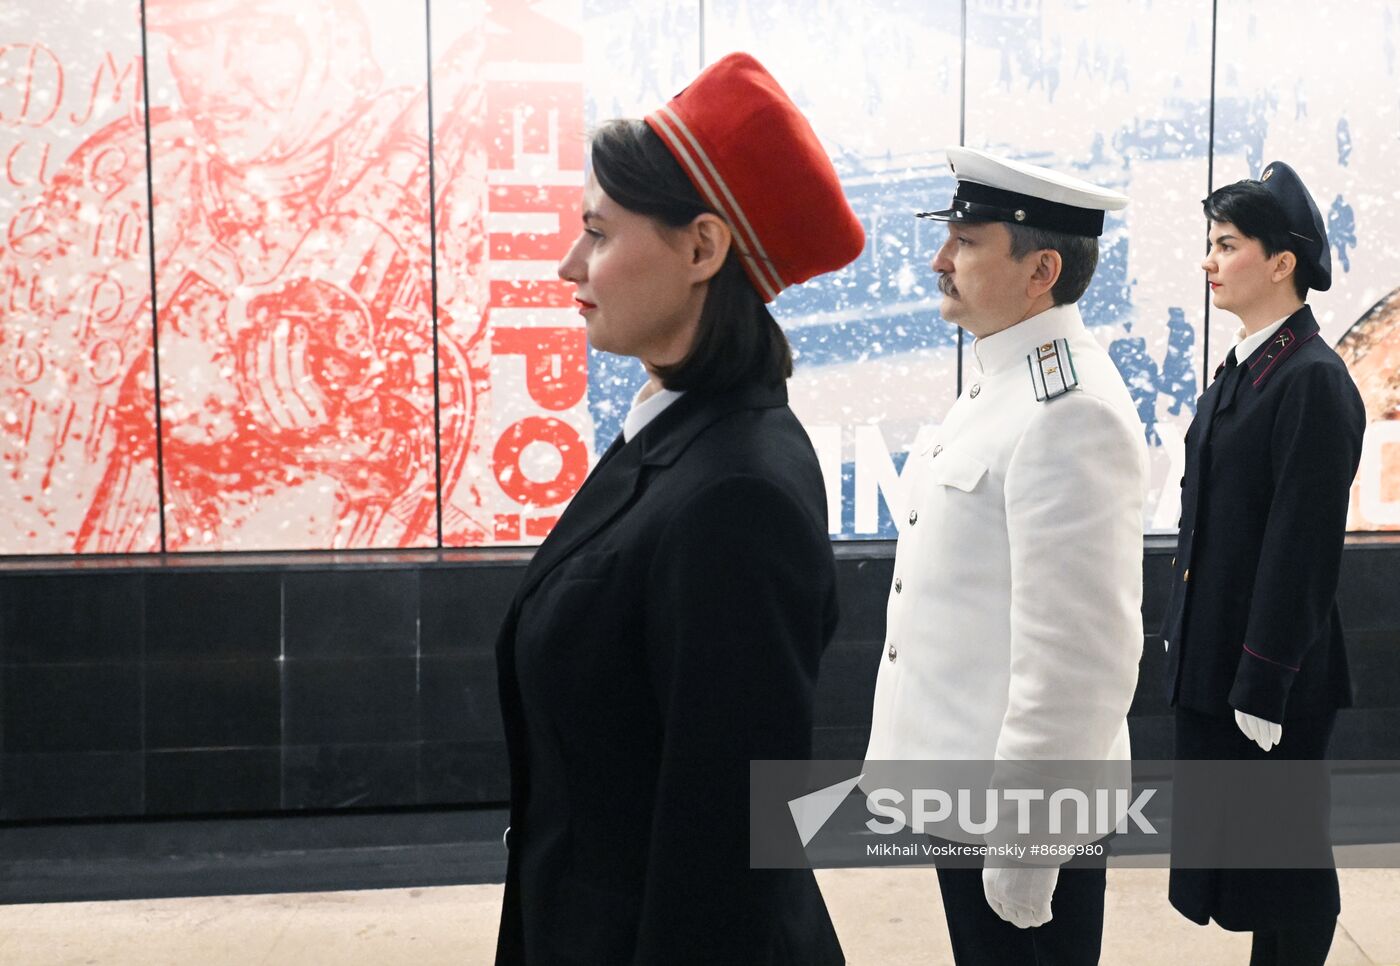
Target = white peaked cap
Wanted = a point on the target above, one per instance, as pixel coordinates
(992, 188)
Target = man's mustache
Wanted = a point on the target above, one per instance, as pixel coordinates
(946, 286)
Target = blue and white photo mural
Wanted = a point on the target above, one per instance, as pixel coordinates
(462, 405)
(1085, 88)
(1332, 113)
(874, 363)
(1122, 94)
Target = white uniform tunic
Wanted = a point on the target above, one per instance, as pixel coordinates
(1014, 625)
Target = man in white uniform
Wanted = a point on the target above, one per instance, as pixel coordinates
(1014, 625)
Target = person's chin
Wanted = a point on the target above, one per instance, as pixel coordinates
(596, 336)
(951, 308)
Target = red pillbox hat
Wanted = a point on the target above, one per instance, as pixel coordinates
(754, 159)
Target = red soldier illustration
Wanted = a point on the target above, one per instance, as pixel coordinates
(296, 349)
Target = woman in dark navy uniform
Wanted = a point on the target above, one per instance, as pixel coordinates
(1258, 667)
(670, 628)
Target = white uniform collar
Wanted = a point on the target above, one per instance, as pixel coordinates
(1009, 347)
(645, 410)
(1245, 345)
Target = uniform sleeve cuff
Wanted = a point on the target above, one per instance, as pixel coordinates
(1261, 686)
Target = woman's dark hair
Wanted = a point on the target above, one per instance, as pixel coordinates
(738, 341)
(1251, 208)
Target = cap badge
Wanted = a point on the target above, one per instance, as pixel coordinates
(1268, 173)
(1020, 215)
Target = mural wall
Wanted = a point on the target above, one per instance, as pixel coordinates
(1340, 123)
(281, 275)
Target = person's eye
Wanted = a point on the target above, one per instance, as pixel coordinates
(964, 240)
(593, 233)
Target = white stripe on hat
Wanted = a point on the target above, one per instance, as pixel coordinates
(689, 152)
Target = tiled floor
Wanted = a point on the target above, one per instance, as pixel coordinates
(886, 917)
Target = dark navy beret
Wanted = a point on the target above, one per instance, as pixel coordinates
(1305, 222)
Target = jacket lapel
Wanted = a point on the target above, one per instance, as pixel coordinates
(1209, 404)
(618, 476)
(604, 493)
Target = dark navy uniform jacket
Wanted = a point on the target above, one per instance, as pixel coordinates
(1253, 623)
(668, 631)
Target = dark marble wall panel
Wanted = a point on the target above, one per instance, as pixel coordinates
(846, 687)
(1151, 736)
(73, 618)
(1375, 666)
(458, 700)
(462, 607)
(1156, 588)
(289, 684)
(214, 615)
(57, 708)
(213, 704)
(863, 588)
(335, 776)
(1368, 733)
(462, 771)
(350, 613)
(85, 784)
(1152, 688)
(350, 701)
(213, 781)
(1369, 591)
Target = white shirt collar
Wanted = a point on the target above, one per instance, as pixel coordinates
(1011, 345)
(645, 410)
(1246, 344)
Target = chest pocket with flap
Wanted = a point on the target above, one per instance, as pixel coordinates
(955, 469)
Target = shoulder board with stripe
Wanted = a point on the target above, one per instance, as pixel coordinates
(1052, 370)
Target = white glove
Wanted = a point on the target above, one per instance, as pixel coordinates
(1263, 733)
(1021, 894)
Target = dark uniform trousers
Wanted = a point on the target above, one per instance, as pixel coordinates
(1072, 937)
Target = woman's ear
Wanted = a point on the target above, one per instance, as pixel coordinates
(709, 240)
(1286, 265)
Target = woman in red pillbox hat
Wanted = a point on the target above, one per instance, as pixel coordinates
(670, 628)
